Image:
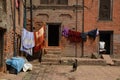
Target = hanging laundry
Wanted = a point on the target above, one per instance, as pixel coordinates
(39, 39)
(65, 32)
(28, 51)
(74, 36)
(17, 3)
(84, 36)
(97, 32)
(27, 41)
(93, 33)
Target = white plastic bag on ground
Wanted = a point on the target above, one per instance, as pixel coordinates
(27, 66)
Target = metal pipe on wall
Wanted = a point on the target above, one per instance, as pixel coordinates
(82, 28)
(31, 15)
(25, 17)
(76, 7)
(14, 29)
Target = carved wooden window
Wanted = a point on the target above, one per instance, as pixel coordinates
(44, 1)
(55, 2)
(105, 10)
(62, 2)
(51, 1)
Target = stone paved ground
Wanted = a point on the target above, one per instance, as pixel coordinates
(63, 72)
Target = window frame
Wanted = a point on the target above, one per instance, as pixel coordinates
(111, 10)
(55, 2)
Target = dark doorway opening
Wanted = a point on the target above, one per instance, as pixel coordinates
(53, 34)
(106, 36)
(1, 46)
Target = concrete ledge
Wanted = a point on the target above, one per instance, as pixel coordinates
(83, 61)
(116, 62)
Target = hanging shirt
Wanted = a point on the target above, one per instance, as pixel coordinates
(27, 41)
(93, 33)
(39, 39)
(28, 51)
(84, 36)
(65, 32)
(102, 46)
(74, 36)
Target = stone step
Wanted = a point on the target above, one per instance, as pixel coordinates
(53, 52)
(53, 49)
(69, 61)
(108, 59)
(51, 56)
(51, 59)
(83, 61)
(49, 63)
(116, 62)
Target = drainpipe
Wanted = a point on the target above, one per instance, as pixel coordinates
(31, 16)
(14, 29)
(82, 28)
(25, 18)
(76, 7)
(31, 21)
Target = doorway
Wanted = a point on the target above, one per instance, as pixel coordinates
(107, 37)
(1, 46)
(53, 34)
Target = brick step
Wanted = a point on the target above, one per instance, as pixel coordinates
(116, 62)
(51, 59)
(53, 52)
(83, 61)
(69, 61)
(108, 59)
(53, 49)
(50, 63)
(51, 56)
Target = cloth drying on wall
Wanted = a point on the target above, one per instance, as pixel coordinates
(39, 39)
(93, 33)
(74, 36)
(102, 46)
(65, 32)
(84, 36)
(27, 41)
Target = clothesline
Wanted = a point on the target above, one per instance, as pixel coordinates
(75, 36)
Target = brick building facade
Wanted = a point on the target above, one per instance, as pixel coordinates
(56, 15)
(7, 29)
(100, 14)
(104, 15)
(77, 15)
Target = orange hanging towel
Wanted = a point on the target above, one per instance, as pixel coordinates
(39, 39)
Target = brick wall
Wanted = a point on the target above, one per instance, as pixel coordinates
(91, 21)
(6, 16)
(67, 17)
